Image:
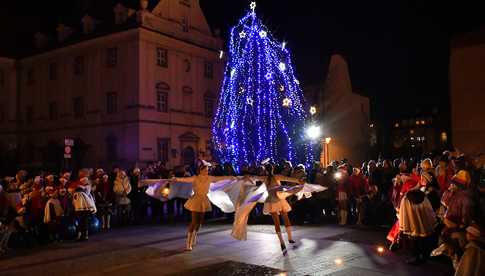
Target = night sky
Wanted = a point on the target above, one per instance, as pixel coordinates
(397, 50)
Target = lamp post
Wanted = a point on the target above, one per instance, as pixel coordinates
(326, 155)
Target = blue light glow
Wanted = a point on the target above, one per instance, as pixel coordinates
(252, 122)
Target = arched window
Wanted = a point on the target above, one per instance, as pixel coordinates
(162, 89)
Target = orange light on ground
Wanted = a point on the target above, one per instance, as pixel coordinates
(380, 249)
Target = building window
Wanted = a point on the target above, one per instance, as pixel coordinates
(30, 76)
(53, 111)
(29, 114)
(79, 65)
(2, 114)
(162, 57)
(162, 101)
(111, 148)
(53, 71)
(209, 106)
(78, 106)
(208, 69)
(185, 24)
(111, 102)
(187, 65)
(112, 57)
(2, 78)
(163, 149)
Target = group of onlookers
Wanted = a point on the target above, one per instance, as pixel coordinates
(437, 202)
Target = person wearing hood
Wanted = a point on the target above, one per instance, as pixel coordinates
(52, 213)
(417, 221)
(472, 263)
(122, 188)
(84, 206)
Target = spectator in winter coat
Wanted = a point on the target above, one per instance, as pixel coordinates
(472, 262)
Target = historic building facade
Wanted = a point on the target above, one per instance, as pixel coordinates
(467, 92)
(140, 89)
(343, 114)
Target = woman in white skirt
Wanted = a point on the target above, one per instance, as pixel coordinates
(198, 203)
(276, 206)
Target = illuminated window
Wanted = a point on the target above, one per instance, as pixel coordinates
(444, 137)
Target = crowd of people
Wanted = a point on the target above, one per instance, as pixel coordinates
(436, 202)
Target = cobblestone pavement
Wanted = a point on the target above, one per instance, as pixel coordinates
(158, 250)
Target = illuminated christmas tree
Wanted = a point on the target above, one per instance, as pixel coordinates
(261, 111)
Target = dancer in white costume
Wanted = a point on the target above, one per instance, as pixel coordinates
(276, 205)
(198, 203)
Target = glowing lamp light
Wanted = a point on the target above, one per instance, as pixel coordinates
(327, 140)
(313, 132)
(313, 110)
(165, 191)
(380, 249)
(282, 66)
(286, 102)
(338, 261)
(263, 34)
(338, 175)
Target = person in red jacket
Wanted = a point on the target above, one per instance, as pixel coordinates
(358, 189)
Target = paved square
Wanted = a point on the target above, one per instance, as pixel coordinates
(158, 250)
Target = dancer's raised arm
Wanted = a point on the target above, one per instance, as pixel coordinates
(148, 182)
(220, 178)
(189, 179)
(280, 177)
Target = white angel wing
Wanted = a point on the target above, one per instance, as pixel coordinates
(308, 189)
(224, 194)
(176, 189)
(155, 188)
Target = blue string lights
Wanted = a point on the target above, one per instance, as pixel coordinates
(261, 112)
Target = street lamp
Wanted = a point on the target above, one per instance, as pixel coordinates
(313, 132)
(326, 155)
